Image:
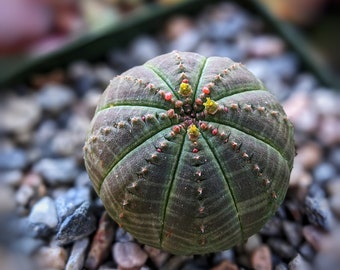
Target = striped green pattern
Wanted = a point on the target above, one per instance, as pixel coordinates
(182, 194)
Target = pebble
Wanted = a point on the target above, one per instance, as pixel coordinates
(282, 248)
(334, 203)
(224, 255)
(143, 48)
(307, 251)
(44, 211)
(67, 143)
(318, 212)
(225, 265)
(328, 256)
(51, 258)
(7, 204)
(27, 245)
(326, 102)
(69, 201)
(54, 98)
(293, 232)
(24, 194)
(11, 178)
(313, 236)
(128, 255)
(300, 178)
(261, 258)
(272, 227)
(43, 219)
(13, 159)
(253, 243)
(297, 108)
(281, 266)
(266, 46)
(157, 256)
(83, 180)
(298, 263)
(101, 243)
(334, 156)
(78, 254)
(329, 132)
(309, 155)
(176, 262)
(57, 170)
(333, 187)
(324, 171)
(123, 236)
(19, 115)
(79, 224)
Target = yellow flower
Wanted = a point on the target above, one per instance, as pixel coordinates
(211, 106)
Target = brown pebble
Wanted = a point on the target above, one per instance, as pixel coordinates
(100, 248)
(261, 258)
(309, 155)
(157, 256)
(51, 258)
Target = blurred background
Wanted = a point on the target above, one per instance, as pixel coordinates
(57, 57)
(37, 27)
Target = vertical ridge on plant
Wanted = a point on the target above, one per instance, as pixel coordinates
(189, 154)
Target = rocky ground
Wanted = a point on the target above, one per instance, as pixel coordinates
(50, 216)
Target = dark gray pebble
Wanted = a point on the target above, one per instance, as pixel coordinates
(281, 266)
(282, 248)
(307, 251)
(293, 232)
(69, 201)
(334, 156)
(199, 263)
(57, 170)
(272, 227)
(13, 159)
(318, 212)
(77, 226)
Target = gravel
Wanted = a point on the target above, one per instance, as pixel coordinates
(51, 217)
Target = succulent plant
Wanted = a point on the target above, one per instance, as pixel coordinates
(189, 154)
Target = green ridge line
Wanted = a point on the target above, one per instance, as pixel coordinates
(226, 180)
(130, 149)
(199, 78)
(130, 103)
(262, 139)
(160, 74)
(167, 195)
(239, 91)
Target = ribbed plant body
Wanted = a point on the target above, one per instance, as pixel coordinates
(189, 154)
